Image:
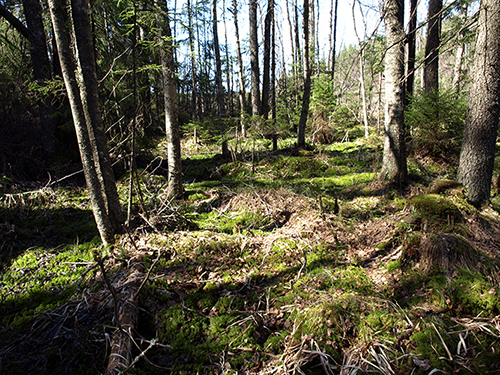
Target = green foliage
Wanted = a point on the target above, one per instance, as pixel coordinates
(436, 123)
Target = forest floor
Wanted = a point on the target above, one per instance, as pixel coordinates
(274, 263)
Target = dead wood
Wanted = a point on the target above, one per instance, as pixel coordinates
(128, 311)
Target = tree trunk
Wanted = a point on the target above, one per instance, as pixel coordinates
(194, 91)
(410, 69)
(457, 70)
(229, 65)
(221, 110)
(478, 148)
(75, 47)
(254, 59)
(41, 69)
(175, 189)
(242, 93)
(292, 45)
(431, 64)
(297, 35)
(92, 109)
(394, 160)
(361, 72)
(273, 72)
(267, 59)
(218, 63)
(334, 43)
(301, 133)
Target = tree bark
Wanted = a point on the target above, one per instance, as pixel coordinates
(334, 50)
(77, 63)
(301, 133)
(410, 68)
(361, 72)
(457, 69)
(478, 148)
(254, 59)
(242, 93)
(194, 91)
(267, 59)
(92, 109)
(394, 159)
(218, 64)
(431, 64)
(175, 189)
(41, 70)
(221, 110)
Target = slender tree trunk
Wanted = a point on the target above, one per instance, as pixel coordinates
(297, 35)
(92, 108)
(394, 160)
(292, 45)
(267, 59)
(229, 75)
(221, 109)
(312, 36)
(361, 72)
(334, 51)
(273, 72)
(194, 91)
(457, 70)
(75, 46)
(431, 65)
(41, 69)
(242, 93)
(175, 189)
(363, 92)
(478, 148)
(410, 69)
(254, 59)
(301, 139)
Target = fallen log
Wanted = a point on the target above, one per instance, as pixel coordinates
(121, 341)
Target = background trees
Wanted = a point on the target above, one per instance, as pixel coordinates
(346, 80)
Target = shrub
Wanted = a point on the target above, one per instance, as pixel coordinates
(436, 123)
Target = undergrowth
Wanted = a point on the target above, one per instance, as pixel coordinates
(276, 262)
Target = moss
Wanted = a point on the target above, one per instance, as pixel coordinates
(381, 323)
(427, 343)
(393, 265)
(39, 280)
(436, 208)
(474, 293)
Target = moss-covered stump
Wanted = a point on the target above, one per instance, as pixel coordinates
(436, 209)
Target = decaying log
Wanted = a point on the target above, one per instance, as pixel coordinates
(121, 341)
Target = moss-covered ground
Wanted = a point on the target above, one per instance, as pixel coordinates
(276, 262)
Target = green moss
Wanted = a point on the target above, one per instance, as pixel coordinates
(393, 265)
(427, 343)
(353, 279)
(435, 207)
(473, 292)
(235, 223)
(39, 280)
(381, 323)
